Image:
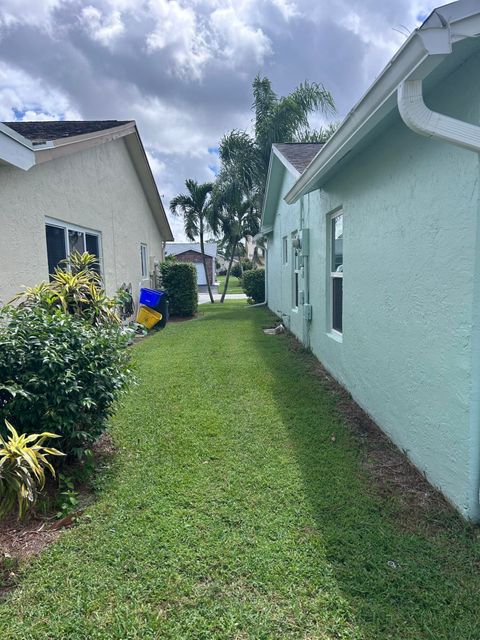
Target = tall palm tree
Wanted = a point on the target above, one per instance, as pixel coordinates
(276, 119)
(237, 217)
(198, 216)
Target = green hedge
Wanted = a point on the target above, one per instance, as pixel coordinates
(60, 373)
(179, 279)
(253, 283)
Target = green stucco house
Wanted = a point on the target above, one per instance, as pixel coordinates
(373, 254)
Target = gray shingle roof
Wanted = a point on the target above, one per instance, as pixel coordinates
(176, 248)
(55, 129)
(299, 154)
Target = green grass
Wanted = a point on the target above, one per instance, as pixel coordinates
(235, 515)
(233, 284)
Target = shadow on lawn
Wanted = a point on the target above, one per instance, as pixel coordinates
(409, 577)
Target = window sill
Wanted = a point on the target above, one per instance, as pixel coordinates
(334, 335)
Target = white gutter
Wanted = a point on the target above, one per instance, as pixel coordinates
(420, 119)
(420, 54)
(15, 150)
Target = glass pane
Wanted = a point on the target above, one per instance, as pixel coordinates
(92, 246)
(285, 250)
(55, 246)
(296, 289)
(337, 304)
(337, 243)
(76, 241)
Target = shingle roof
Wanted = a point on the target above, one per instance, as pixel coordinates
(299, 154)
(55, 129)
(176, 248)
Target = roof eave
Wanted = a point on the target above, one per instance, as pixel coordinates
(15, 150)
(420, 54)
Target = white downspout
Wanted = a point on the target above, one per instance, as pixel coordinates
(420, 119)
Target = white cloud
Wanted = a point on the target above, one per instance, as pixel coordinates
(102, 28)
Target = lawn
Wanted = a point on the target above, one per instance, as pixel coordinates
(233, 284)
(244, 515)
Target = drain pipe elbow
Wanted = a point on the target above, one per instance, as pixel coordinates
(422, 120)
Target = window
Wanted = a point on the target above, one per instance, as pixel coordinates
(336, 272)
(63, 239)
(296, 270)
(143, 260)
(285, 250)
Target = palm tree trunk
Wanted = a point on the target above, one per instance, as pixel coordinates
(228, 270)
(204, 260)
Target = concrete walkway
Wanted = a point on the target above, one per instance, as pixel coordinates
(204, 297)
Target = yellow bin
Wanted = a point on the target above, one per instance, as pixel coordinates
(148, 317)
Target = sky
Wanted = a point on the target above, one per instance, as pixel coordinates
(183, 68)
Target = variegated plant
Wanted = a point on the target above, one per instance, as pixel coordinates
(23, 463)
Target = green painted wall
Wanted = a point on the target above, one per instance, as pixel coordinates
(411, 338)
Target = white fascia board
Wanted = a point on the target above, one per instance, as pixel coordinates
(15, 150)
(286, 163)
(140, 161)
(421, 53)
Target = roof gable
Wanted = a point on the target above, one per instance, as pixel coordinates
(43, 131)
(176, 248)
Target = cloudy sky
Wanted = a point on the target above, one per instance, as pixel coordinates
(183, 68)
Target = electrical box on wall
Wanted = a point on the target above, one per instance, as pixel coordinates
(307, 311)
(304, 235)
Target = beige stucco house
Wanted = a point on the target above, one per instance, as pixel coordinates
(77, 185)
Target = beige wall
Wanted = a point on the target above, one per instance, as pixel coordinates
(98, 189)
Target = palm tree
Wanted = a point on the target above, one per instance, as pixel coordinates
(198, 216)
(277, 119)
(237, 217)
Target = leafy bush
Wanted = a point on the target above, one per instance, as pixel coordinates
(59, 372)
(76, 289)
(179, 279)
(23, 461)
(253, 283)
(247, 264)
(236, 270)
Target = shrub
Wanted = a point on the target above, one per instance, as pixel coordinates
(23, 461)
(253, 283)
(247, 264)
(236, 270)
(59, 372)
(179, 279)
(76, 289)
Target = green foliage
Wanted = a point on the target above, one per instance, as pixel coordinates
(180, 282)
(247, 264)
(23, 462)
(253, 283)
(236, 271)
(76, 289)
(70, 373)
(67, 498)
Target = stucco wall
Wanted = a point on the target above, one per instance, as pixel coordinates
(411, 208)
(98, 189)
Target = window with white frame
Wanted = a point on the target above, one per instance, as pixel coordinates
(144, 260)
(285, 250)
(336, 271)
(64, 239)
(295, 271)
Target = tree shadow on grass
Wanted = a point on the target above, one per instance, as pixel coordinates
(407, 574)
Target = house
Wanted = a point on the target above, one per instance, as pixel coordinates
(190, 252)
(373, 256)
(79, 185)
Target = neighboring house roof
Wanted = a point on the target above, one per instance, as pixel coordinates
(292, 156)
(176, 248)
(56, 129)
(298, 154)
(425, 56)
(26, 144)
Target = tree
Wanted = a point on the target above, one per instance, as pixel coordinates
(237, 217)
(277, 119)
(198, 216)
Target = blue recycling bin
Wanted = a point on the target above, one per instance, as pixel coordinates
(151, 297)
